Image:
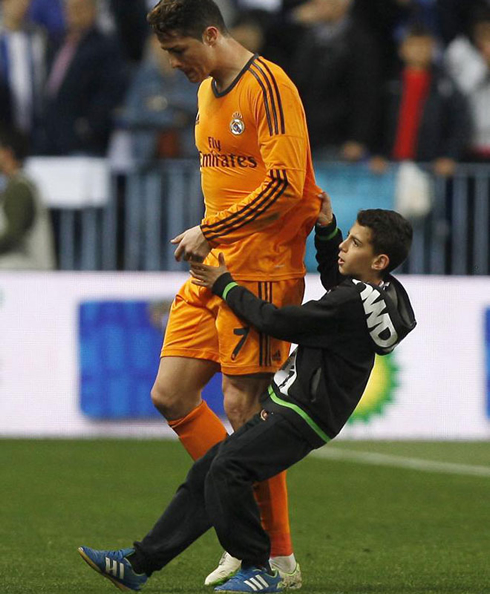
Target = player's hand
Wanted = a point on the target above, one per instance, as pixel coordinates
(325, 217)
(192, 245)
(204, 275)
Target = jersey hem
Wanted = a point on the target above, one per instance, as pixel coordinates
(268, 277)
(252, 370)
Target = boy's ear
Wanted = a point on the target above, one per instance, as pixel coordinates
(380, 263)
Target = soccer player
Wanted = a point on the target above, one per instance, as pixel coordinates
(261, 203)
(364, 311)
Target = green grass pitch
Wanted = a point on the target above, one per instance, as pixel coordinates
(357, 528)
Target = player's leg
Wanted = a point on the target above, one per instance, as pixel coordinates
(190, 358)
(177, 395)
(242, 396)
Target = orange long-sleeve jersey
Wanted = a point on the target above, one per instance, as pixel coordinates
(257, 177)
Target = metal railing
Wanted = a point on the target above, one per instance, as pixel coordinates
(146, 209)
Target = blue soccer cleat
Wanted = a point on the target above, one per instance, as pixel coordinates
(253, 579)
(114, 566)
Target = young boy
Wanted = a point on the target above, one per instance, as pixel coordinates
(364, 311)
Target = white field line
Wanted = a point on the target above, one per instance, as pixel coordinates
(374, 459)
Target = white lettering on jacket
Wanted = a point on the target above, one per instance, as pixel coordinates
(378, 321)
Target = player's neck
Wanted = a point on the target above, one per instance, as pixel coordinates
(232, 60)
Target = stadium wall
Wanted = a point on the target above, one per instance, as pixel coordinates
(78, 352)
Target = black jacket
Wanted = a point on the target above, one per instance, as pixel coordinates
(323, 380)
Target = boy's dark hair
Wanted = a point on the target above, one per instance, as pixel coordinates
(391, 234)
(16, 141)
(186, 18)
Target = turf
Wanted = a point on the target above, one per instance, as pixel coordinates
(357, 529)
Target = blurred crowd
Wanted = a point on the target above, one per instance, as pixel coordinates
(381, 80)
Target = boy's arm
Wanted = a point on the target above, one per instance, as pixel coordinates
(298, 324)
(328, 237)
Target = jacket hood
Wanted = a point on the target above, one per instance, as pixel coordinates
(388, 311)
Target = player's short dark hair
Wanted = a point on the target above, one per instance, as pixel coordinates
(186, 18)
(15, 140)
(391, 234)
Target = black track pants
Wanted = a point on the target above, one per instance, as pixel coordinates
(218, 492)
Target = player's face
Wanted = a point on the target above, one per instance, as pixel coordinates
(191, 56)
(356, 255)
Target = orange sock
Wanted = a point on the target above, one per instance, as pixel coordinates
(272, 499)
(199, 430)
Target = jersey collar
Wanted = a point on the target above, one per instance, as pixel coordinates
(217, 94)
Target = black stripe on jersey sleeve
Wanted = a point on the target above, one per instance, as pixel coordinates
(223, 223)
(271, 94)
(279, 102)
(251, 211)
(266, 101)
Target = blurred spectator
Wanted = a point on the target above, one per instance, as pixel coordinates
(422, 12)
(49, 15)
(249, 29)
(468, 61)
(336, 69)
(160, 110)
(455, 16)
(22, 67)
(26, 241)
(126, 21)
(389, 19)
(425, 116)
(86, 81)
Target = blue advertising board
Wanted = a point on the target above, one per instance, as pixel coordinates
(119, 349)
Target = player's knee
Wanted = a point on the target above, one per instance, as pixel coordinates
(242, 397)
(239, 410)
(168, 402)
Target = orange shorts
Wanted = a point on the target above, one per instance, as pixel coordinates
(202, 326)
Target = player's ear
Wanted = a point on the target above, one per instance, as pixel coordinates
(210, 36)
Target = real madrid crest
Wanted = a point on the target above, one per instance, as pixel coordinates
(237, 125)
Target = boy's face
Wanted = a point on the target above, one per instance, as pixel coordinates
(356, 255)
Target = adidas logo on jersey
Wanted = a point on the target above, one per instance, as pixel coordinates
(277, 356)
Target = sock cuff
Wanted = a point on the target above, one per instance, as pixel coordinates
(195, 412)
